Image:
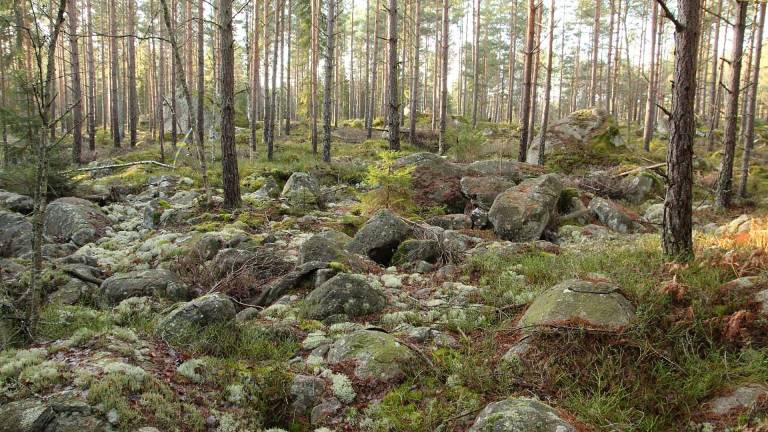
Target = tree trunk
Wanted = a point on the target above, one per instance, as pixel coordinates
(268, 105)
(113, 73)
(650, 103)
(676, 235)
(133, 103)
(313, 70)
(714, 109)
(595, 46)
(367, 91)
(254, 84)
(91, 82)
(444, 78)
(749, 132)
(288, 75)
(229, 173)
(512, 60)
(725, 181)
(160, 103)
(475, 61)
(77, 95)
(535, 79)
(329, 62)
(201, 87)
(394, 104)
(525, 104)
(547, 83)
(273, 97)
(609, 63)
(415, 74)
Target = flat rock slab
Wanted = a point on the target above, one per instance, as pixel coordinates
(737, 400)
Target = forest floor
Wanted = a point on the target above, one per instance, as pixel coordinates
(312, 307)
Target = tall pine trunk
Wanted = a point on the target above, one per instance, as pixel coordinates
(595, 50)
(547, 83)
(525, 104)
(113, 73)
(229, 172)
(375, 62)
(77, 94)
(255, 72)
(714, 109)
(415, 74)
(329, 62)
(91, 81)
(133, 103)
(394, 105)
(444, 84)
(475, 61)
(650, 102)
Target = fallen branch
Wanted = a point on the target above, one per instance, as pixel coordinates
(642, 168)
(122, 165)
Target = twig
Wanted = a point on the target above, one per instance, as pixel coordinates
(122, 165)
(642, 168)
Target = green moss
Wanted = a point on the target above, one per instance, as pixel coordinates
(62, 321)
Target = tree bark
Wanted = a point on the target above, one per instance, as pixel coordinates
(547, 83)
(650, 102)
(525, 108)
(201, 86)
(713, 93)
(677, 230)
(512, 60)
(372, 107)
(415, 73)
(329, 63)
(725, 180)
(91, 82)
(394, 104)
(288, 75)
(229, 172)
(313, 70)
(595, 46)
(77, 95)
(444, 78)
(133, 103)
(113, 73)
(749, 133)
(475, 61)
(255, 77)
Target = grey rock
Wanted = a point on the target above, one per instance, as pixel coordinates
(435, 181)
(508, 169)
(325, 409)
(654, 214)
(737, 400)
(142, 283)
(378, 355)
(482, 191)
(611, 216)
(306, 392)
(193, 316)
(344, 294)
(637, 188)
(523, 212)
(302, 191)
(268, 190)
(15, 235)
(411, 251)
(380, 236)
(327, 246)
(16, 203)
(520, 415)
(451, 221)
(293, 279)
(74, 219)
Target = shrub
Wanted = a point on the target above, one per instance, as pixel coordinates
(392, 186)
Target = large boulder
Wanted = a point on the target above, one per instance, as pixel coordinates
(611, 215)
(580, 131)
(482, 191)
(380, 236)
(15, 202)
(35, 415)
(511, 170)
(412, 250)
(302, 191)
(377, 355)
(194, 316)
(347, 294)
(15, 235)
(522, 212)
(141, 283)
(636, 189)
(435, 181)
(74, 219)
(327, 246)
(520, 415)
(589, 304)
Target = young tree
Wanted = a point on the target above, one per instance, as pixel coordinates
(749, 133)
(725, 180)
(394, 104)
(229, 172)
(676, 234)
(77, 96)
(525, 104)
(548, 83)
(329, 62)
(444, 78)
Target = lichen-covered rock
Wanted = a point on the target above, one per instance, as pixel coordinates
(195, 315)
(578, 131)
(380, 236)
(306, 392)
(522, 212)
(302, 191)
(378, 355)
(511, 170)
(15, 235)
(637, 188)
(33, 415)
(737, 400)
(520, 415)
(74, 219)
(15, 202)
(142, 283)
(456, 221)
(268, 190)
(654, 214)
(435, 181)
(611, 215)
(327, 246)
(589, 304)
(482, 191)
(344, 294)
(411, 251)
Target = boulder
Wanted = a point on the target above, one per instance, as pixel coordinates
(142, 283)
(74, 219)
(268, 190)
(590, 304)
(377, 355)
(380, 236)
(344, 294)
(654, 214)
(16, 203)
(637, 188)
(302, 191)
(411, 251)
(737, 400)
(611, 215)
(588, 129)
(520, 415)
(327, 246)
(196, 315)
(15, 235)
(33, 415)
(306, 392)
(435, 181)
(523, 212)
(456, 221)
(508, 169)
(273, 290)
(482, 191)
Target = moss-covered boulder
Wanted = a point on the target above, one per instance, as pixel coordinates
(508, 169)
(302, 192)
(435, 181)
(34, 415)
(522, 212)
(196, 315)
(15, 235)
(347, 294)
(411, 251)
(589, 304)
(482, 191)
(583, 132)
(377, 355)
(327, 246)
(74, 219)
(380, 236)
(142, 283)
(520, 415)
(612, 215)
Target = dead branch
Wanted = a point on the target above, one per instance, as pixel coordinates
(122, 165)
